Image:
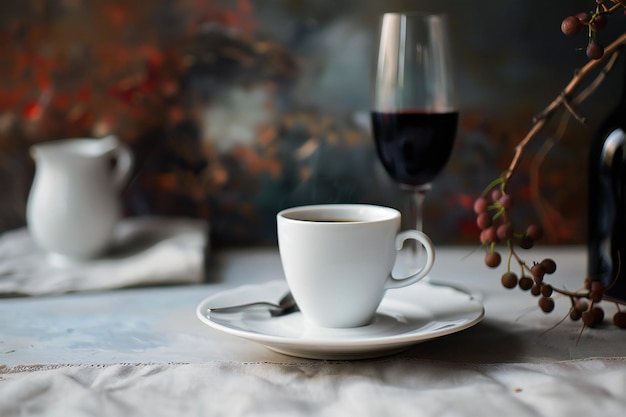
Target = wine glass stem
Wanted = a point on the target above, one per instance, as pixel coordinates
(416, 217)
(416, 210)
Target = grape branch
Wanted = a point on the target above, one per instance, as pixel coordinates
(565, 98)
(493, 208)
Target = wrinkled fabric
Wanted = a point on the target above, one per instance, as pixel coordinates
(147, 251)
(143, 352)
(387, 387)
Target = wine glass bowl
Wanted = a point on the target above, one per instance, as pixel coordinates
(414, 145)
(414, 110)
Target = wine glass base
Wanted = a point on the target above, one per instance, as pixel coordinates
(424, 188)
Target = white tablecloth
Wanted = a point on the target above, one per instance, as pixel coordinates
(388, 387)
(143, 352)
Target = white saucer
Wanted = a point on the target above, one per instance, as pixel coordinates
(406, 316)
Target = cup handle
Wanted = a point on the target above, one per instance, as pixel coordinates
(421, 273)
(124, 163)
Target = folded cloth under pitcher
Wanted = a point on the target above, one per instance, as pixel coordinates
(146, 251)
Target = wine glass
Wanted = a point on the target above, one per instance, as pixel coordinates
(414, 104)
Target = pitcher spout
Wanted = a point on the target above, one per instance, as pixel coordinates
(86, 148)
(109, 143)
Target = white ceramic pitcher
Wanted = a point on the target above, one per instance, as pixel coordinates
(74, 202)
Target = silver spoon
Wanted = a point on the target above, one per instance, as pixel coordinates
(286, 305)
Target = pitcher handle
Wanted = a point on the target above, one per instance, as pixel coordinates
(124, 164)
(421, 272)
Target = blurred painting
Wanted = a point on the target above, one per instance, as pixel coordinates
(236, 109)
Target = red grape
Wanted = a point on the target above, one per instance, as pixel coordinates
(505, 231)
(496, 194)
(594, 50)
(493, 259)
(583, 17)
(483, 220)
(480, 205)
(488, 235)
(534, 232)
(571, 26)
(506, 201)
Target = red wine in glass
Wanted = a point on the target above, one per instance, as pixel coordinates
(414, 105)
(414, 145)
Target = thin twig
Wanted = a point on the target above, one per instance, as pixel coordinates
(571, 110)
(541, 205)
(542, 118)
(583, 95)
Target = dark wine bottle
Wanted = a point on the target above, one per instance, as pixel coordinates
(607, 202)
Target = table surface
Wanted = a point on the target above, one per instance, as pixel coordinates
(144, 351)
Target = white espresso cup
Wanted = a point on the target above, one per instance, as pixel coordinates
(338, 260)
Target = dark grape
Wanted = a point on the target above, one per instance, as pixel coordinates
(509, 280)
(594, 50)
(597, 286)
(598, 313)
(493, 259)
(548, 265)
(546, 290)
(593, 317)
(597, 291)
(536, 290)
(571, 26)
(526, 242)
(595, 296)
(619, 319)
(599, 22)
(581, 305)
(526, 283)
(546, 304)
(587, 317)
(538, 272)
